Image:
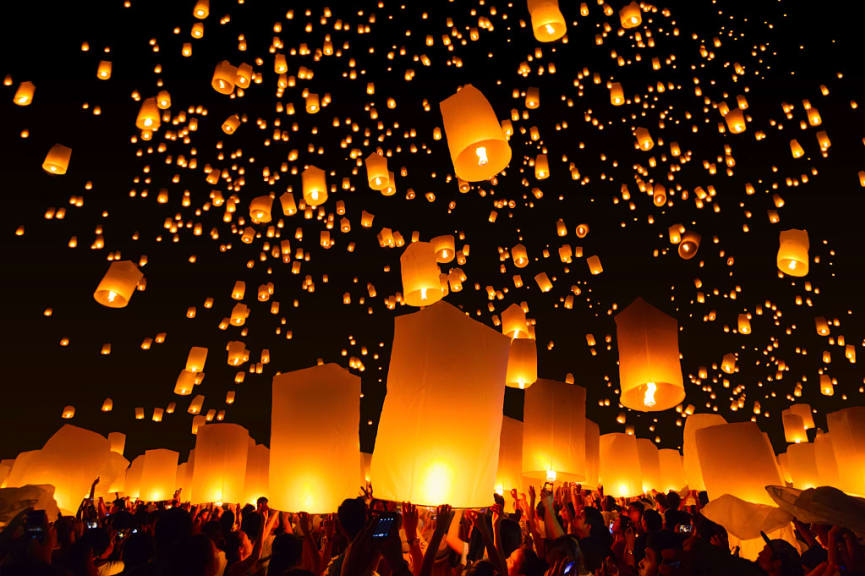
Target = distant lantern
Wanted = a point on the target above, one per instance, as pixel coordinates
(689, 245)
(793, 252)
(103, 70)
(158, 475)
(118, 285)
(260, 208)
(224, 77)
(314, 424)
(163, 100)
(220, 464)
(630, 16)
(847, 428)
(522, 363)
(672, 474)
(543, 281)
(510, 469)
(735, 120)
(737, 459)
(444, 248)
(117, 442)
(231, 124)
(314, 186)
(548, 24)
(593, 435)
(594, 264)
(520, 256)
(794, 428)
(619, 471)
(24, 94)
(68, 412)
(827, 386)
(728, 363)
(478, 146)
(554, 432)
(196, 359)
(185, 383)
(148, 115)
(457, 366)
(617, 95)
(743, 324)
(421, 284)
(514, 322)
(644, 139)
(804, 411)
(202, 9)
(650, 373)
(376, 171)
(650, 464)
(802, 464)
(57, 159)
(107, 405)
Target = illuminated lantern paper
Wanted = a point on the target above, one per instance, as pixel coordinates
(118, 285)
(735, 120)
(824, 459)
(444, 248)
(112, 477)
(185, 383)
(220, 464)
(24, 94)
(619, 465)
(257, 472)
(117, 442)
(689, 245)
(259, 209)
(617, 95)
(158, 475)
(548, 23)
(520, 256)
(650, 464)
(314, 186)
(365, 462)
(514, 321)
(793, 248)
(224, 77)
(196, 359)
(802, 464)
(644, 139)
(148, 115)
(510, 469)
(737, 459)
(451, 369)
(743, 324)
(478, 146)
(103, 70)
(19, 469)
(202, 9)
(847, 428)
(376, 171)
(630, 16)
(593, 435)
(231, 124)
(690, 459)
(794, 428)
(132, 484)
(672, 476)
(421, 284)
(554, 432)
(650, 374)
(728, 363)
(314, 439)
(57, 159)
(522, 363)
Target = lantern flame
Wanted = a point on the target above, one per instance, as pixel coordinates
(481, 152)
(649, 397)
(551, 475)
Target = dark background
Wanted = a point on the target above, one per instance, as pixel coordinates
(805, 46)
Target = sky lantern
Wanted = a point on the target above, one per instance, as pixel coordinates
(444, 248)
(224, 77)
(672, 472)
(103, 70)
(689, 244)
(196, 359)
(804, 411)
(824, 459)
(735, 120)
(619, 471)
(201, 9)
(421, 284)
(444, 367)
(314, 186)
(520, 256)
(554, 432)
(522, 363)
(802, 464)
(220, 464)
(478, 146)
(690, 459)
(24, 94)
(257, 479)
(158, 475)
(112, 477)
(148, 115)
(650, 374)
(594, 264)
(743, 324)
(376, 171)
(644, 139)
(132, 482)
(794, 427)
(314, 439)
(185, 383)
(117, 442)
(57, 159)
(650, 464)
(116, 288)
(548, 24)
(593, 435)
(728, 363)
(68, 412)
(847, 428)
(617, 95)
(737, 459)
(514, 321)
(793, 252)
(259, 209)
(510, 469)
(630, 16)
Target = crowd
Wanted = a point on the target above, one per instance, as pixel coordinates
(559, 531)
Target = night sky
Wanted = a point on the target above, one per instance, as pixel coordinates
(787, 50)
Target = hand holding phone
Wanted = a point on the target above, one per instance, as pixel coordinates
(383, 525)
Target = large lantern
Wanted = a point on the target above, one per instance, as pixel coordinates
(158, 475)
(118, 285)
(510, 469)
(257, 472)
(220, 464)
(314, 439)
(478, 146)
(421, 282)
(630, 16)
(672, 475)
(802, 464)
(548, 23)
(314, 186)
(593, 435)
(804, 411)
(824, 458)
(514, 322)
(793, 247)
(794, 428)
(554, 431)
(522, 363)
(376, 171)
(650, 464)
(847, 428)
(620, 465)
(650, 374)
(690, 459)
(448, 369)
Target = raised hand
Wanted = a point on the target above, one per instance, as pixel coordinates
(444, 515)
(409, 520)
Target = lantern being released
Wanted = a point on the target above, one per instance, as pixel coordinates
(793, 252)
(514, 322)
(220, 464)
(257, 472)
(421, 282)
(478, 146)
(619, 465)
(649, 370)
(690, 459)
(522, 363)
(510, 470)
(119, 283)
(158, 475)
(554, 432)
(314, 439)
(548, 23)
(57, 159)
(446, 369)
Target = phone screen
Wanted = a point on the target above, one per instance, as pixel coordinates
(611, 526)
(383, 526)
(569, 568)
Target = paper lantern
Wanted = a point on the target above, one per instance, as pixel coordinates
(421, 284)
(185, 383)
(163, 99)
(630, 16)
(522, 363)
(672, 473)
(202, 9)
(117, 442)
(519, 256)
(743, 324)
(548, 24)
(220, 464)
(728, 363)
(650, 374)
(593, 435)
(594, 264)
(112, 477)
(690, 459)
(148, 115)
(132, 484)
(314, 439)
(196, 359)
(447, 368)
(24, 94)
(231, 124)
(689, 245)
(542, 167)
(644, 139)
(259, 209)
(824, 459)
(158, 475)
(514, 321)
(224, 76)
(617, 95)
(195, 406)
(554, 431)
(257, 472)
(237, 353)
(619, 465)
(107, 405)
(444, 248)
(794, 428)
(103, 70)
(737, 459)
(735, 120)
(376, 171)
(57, 159)
(314, 186)
(793, 247)
(802, 463)
(365, 462)
(478, 146)
(510, 468)
(650, 464)
(827, 386)
(847, 428)
(116, 288)
(68, 412)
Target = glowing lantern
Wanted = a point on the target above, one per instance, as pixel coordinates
(593, 434)
(224, 76)
(112, 476)
(617, 95)
(510, 469)
(644, 139)
(107, 405)
(420, 275)
(449, 367)
(794, 428)
(117, 286)
(478, 146)
(148, 115)
(650, 464)
(259, 209)
(103, 70)
(377, 172)
(554, 431)
(737, 459)
(158, 475)
(444, 248)
(689, 245)
(132, 483)
(543, 281)
(257, 472)
(231, 124)
(533, 98)
(522, 363)
(57, 159)
(24, 94)
(185, 383)
(314, 186)
(804, 411)
(117, 442)
(594, 264)
(19, 470)
(220, 464)
(548, 23)
(313, 437)
(847, 428)
(202, 9)
(802, 464)
(690, 459)
(619, 471)
(827, 387)
(630, 15)
(743, 324)
(735, 120)
(163, 100)
(824, 458)
(793, 252)
(196, 359)
(520, 256)
(514, 321)
(672, 474)
(68, 412)
(728, 363)
(649, 370)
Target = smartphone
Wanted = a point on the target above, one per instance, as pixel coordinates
(611, 526)
(383, 525)
(684, 528)
(35, 523)
(91, 525)
(569, 568)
